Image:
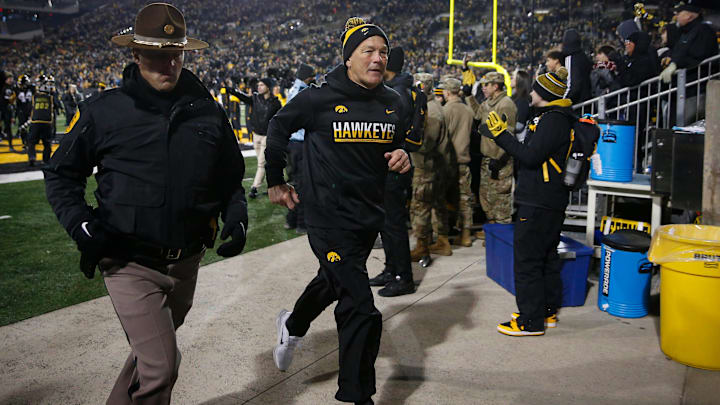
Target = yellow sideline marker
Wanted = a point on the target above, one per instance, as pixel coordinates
(485, 65)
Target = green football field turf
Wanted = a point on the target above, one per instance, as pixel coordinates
(39, 271)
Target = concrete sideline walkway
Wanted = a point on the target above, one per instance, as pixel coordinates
(439, 345)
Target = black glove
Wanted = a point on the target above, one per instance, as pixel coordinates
(92, 240)
(467, 90)
(485, 131)
(237, 232)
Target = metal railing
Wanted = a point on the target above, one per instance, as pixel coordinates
(653, 103)
(650, 104)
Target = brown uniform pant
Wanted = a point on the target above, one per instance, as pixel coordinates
(151, 304)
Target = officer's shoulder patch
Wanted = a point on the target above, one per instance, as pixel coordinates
(333, 257)
(74, 121)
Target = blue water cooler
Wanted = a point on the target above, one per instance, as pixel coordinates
(616, 148)
(625, 274)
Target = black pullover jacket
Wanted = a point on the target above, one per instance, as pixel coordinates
(348, 129)
(548, 137)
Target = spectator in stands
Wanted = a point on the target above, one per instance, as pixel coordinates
(640, 61)
(578, 66)
(520, 84)
(604, 76)
(696, 43)
(553, 61)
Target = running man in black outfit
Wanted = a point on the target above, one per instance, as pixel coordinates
(353, 136)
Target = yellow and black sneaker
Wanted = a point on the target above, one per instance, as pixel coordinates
(550, 321)
(513, 329)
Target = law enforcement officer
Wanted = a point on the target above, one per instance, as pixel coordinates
(168, 167)
(459, 121)
(353, 136)
(428, 162)
(496, 171)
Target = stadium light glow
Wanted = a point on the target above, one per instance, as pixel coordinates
(485, 65)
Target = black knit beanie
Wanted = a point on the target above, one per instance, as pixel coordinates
(551, 86)
(396, 59)
(304, 71)
(356, 31)
(268, 82)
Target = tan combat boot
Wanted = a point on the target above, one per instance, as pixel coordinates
(465, 238)
(441, 247)
(421, 250)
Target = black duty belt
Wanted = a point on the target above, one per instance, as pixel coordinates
(136, 248)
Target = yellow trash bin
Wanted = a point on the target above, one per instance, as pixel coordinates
(689, 256)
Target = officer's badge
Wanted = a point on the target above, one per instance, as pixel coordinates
(341, 109)
(169, 29)
(333, 257)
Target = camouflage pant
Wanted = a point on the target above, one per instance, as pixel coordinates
(465, 212)
(427, 199)
(495, 195)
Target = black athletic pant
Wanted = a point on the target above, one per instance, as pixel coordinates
(395, 232)
(40, 132)
(7, 121)
(296, 216)
(343, 278)
(538, 288)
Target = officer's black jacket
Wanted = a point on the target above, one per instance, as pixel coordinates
(263, 109)
(348, 129)
(164, 170)
(548, 136)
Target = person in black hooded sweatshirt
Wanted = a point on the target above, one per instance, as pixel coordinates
(354, 135)
(578, 66)
(397, 276)
(640, 62)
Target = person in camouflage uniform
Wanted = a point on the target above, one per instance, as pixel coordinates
(496, 172)
(459, 121)
(426, 182)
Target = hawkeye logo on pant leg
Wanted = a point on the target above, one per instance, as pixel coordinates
(333, 257)
(353, 131)
(341, 109)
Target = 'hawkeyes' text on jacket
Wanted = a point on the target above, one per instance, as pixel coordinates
(348, 129)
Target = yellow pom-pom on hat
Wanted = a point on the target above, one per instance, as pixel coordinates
(357, 31)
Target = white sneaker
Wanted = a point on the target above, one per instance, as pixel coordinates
(286, 344)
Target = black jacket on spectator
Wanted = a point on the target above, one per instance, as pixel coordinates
(348, 129)
(168, 164)
(696, 43)
(642, 64)
(263, 109)
(578, 65)
(548, 136)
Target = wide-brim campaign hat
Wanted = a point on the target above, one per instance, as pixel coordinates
(161, 27)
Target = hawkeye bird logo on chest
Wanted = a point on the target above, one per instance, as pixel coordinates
(333, 257)
(341, 109)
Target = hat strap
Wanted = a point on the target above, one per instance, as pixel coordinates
(159, 42)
